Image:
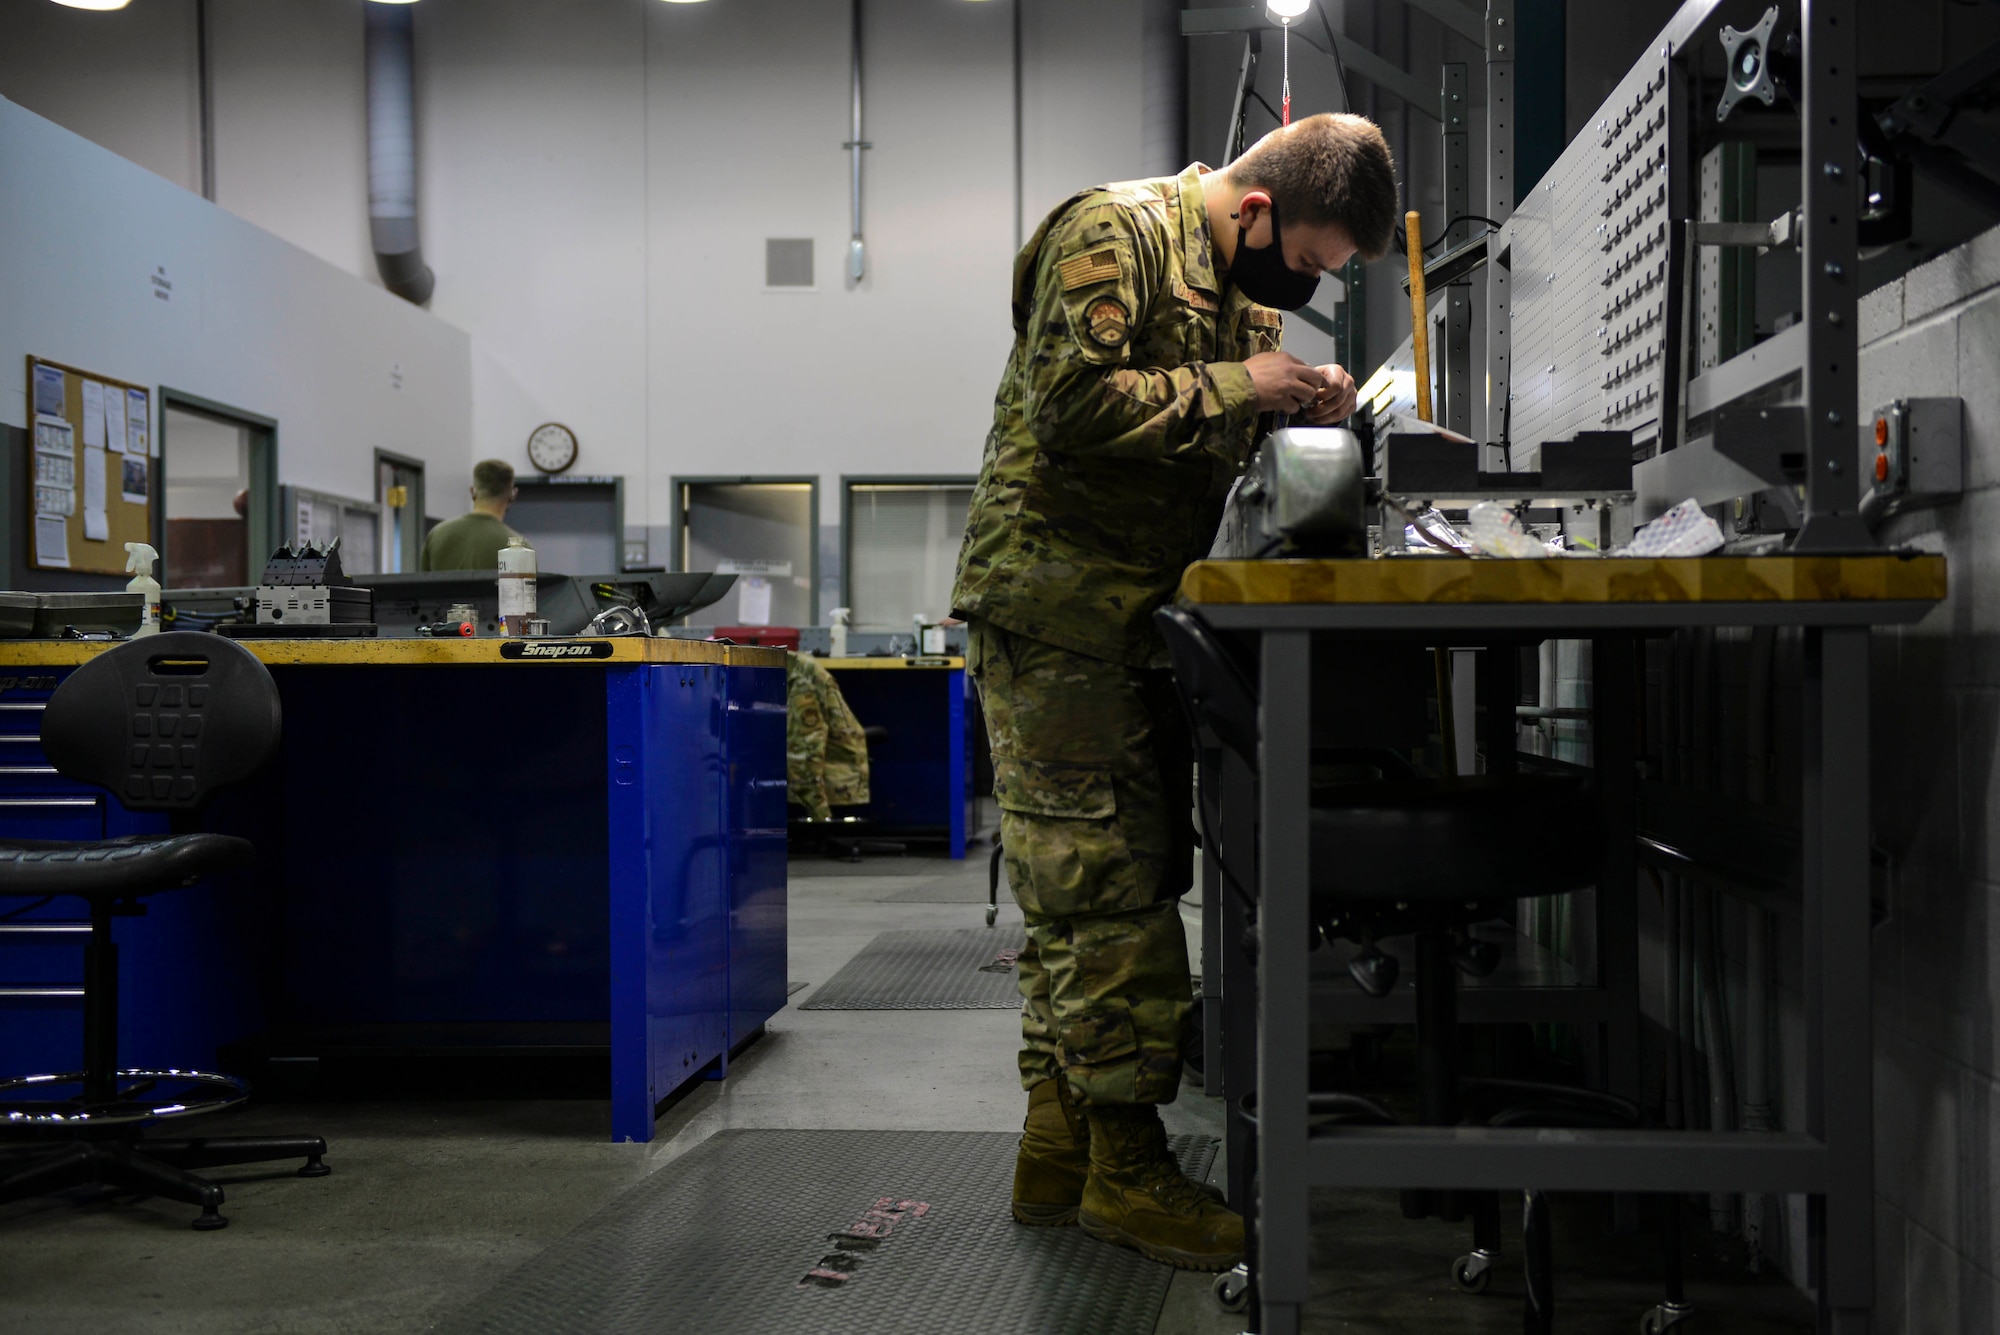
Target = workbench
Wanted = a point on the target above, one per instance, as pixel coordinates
(919, 775)
(575, 854)
(1291, 611)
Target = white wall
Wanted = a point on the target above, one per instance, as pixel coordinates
(128, 83)
(597, 180)
(253, 322)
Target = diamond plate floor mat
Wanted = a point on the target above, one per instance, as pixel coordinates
(945, 890)
(882, 865)
(783, 1232)
(926, 971)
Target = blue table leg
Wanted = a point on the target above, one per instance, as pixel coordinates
(957, 762)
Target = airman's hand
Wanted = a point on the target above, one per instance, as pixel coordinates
(1285, 384)
(1336, 402)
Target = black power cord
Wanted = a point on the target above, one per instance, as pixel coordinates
(1333, 48)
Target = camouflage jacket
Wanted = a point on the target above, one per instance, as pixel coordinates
(826, 753)
(1123, 417)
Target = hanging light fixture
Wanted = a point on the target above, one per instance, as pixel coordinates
(94, 4)
(1287, 9)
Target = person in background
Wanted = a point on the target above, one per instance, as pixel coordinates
(473, 540)
(1146, 359)
(826, 752)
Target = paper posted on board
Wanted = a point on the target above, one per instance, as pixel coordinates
(50, 391)
(136, 419)
(96, 524)
(753, 601)
(133, 485)
(93, 413)
(51, 541)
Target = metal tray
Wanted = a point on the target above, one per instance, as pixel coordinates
(88, 612)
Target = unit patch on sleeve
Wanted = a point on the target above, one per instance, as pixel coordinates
(1107, 321)
(1096, 266)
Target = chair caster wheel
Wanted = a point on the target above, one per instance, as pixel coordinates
(1665, 1317)
(314, 1168)
(1473, 1273)
(1232, 1289)
(992, 914)
(209, 1220)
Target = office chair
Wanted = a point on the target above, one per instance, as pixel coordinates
(1407, 853)
(161, 722)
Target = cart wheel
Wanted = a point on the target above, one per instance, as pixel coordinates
(1472, 1273)
(1232, 1290)
(992, 914)
(1662, 1320)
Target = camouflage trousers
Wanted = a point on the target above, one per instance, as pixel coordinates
(1091, 766)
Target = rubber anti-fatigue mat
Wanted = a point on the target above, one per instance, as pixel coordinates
(783, 1232)
(927, 971)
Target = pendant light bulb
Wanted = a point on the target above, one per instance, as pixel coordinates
(1286, 9)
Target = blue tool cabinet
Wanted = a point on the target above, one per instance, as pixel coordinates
(458, 855)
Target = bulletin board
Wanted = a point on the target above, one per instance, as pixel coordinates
(91, 461)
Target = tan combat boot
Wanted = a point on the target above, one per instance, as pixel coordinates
(1136, 1196)
(1054, 1157)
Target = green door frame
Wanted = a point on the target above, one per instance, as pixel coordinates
(849, 481)
(413, 530)
(262, 511)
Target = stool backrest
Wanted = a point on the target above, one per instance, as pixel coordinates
(164, 720)
(1213, 684)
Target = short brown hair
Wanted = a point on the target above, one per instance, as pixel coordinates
(1330, 168)
(492, 479)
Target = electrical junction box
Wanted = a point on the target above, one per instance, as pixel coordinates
(1919, 455)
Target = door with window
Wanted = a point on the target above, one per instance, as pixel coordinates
(399, 488)
(762, 530)
(901, 537)
(219, 472)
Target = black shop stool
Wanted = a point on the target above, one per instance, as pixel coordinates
(1409, 854)
(161, 722)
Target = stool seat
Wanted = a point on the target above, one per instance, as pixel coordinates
(117, 867)
(1487, 837)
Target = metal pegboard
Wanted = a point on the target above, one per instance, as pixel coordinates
(1590, 272)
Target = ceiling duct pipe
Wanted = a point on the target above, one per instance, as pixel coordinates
(392, 155)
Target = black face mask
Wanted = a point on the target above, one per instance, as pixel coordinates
(1264, 277)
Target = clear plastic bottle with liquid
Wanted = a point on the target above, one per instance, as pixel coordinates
(517, 586)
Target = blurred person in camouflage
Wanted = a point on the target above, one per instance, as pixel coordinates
(1146, 351)
(826, 752)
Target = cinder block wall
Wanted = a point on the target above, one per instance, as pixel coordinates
(1936, 761)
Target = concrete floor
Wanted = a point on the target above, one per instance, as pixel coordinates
(429, 1203)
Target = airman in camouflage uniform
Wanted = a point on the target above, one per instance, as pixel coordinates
(826, 753)
(1126, 412)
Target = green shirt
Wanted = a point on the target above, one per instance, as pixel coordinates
(1124, 415)
(469, 542)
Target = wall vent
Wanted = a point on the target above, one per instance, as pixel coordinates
(788, 263)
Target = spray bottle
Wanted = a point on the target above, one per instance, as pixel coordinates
(139, 558)
(841, 616)
(517, 585)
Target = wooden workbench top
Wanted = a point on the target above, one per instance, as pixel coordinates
(1608, 579)
(428, 652)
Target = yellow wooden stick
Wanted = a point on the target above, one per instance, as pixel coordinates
(1420, 324)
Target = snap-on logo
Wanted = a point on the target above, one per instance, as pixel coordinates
(556, 651)
(27, 684)
(864, 1235)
